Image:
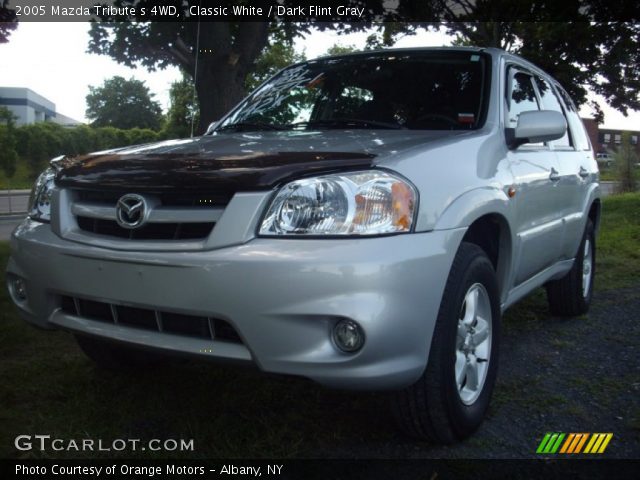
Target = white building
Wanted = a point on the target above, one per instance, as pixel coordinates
(29, 107)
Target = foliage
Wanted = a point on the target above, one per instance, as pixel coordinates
(8, 154)
(182, 109)
(34, 145)
(626, 159)
(337, 49)
(274, 57)
(8, 21)
(122, 103)
(228, 50)
(586, 50)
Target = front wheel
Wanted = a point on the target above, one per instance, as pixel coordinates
(571, 295)
(449, 401)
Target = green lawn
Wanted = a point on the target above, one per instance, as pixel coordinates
(49, 387)
(21, 180)
(619, 241)
(611, 174)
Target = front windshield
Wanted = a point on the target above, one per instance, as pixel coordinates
(395, 90)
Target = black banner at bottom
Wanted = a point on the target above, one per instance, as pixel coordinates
(318, 469)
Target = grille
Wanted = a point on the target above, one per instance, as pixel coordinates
(150, 231)
(146, 319)
(166, 199)
(172, 216)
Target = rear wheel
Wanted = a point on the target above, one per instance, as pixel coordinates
(571, 295)
(115, 356)
(449, 401)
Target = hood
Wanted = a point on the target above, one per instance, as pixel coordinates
(237, 161)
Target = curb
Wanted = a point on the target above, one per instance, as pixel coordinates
(6, 193)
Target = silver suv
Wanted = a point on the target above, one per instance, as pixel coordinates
(360, 220)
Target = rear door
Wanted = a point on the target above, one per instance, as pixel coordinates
(579, 169)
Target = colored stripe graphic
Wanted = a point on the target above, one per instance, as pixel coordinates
(574, 443)
(598, 442)
(591, 443)
(605, 443)
(550, 443)
(556, 445)
(583, 439)
(567, 443)
(543, 443)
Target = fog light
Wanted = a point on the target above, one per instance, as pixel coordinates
(348, 336)
(19, 289)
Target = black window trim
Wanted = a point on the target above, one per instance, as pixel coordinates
(512, 68)
(563, 94)
(553, 85)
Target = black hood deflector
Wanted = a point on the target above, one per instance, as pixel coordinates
(198, 171)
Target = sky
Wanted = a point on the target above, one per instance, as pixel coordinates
(51, 59)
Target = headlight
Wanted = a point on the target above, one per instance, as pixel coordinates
(359, 203)
(40, 199)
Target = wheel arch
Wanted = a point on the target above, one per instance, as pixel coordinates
(485, 214)
(595, 211)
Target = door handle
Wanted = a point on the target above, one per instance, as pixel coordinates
(583, 172)
(554, 176)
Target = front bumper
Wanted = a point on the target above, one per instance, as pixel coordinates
(282, 296)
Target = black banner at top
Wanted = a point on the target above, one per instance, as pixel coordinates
(333, 11)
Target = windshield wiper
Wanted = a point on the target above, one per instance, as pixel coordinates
(346, 122)
(248, 126)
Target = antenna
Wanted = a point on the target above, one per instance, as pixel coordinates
(195, 75)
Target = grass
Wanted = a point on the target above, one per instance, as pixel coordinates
(22, 180)
(50, 387)
(611, 174)
(619, 241)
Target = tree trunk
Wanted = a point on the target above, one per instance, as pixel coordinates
(220, 87)
(221, 74)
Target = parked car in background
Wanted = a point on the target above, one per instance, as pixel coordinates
(360, 220)
(605, 159)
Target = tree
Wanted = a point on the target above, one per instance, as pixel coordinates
(575, 41)
(123, 104)
(182, 109)
(8, 154)
(583, 48)
(228, 50)
(626, 159)
(337, 49)
(8, 21)
(275, 56)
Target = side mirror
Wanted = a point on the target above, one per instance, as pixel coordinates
(537, 126)
(211, 127)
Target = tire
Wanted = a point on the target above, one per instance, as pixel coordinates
(114, 356)
(571, 295)
(439, 407)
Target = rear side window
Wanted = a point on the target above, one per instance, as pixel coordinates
(550, 101)
(578, 133)
(521, 98)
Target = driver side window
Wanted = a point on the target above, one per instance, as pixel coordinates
(521, 97)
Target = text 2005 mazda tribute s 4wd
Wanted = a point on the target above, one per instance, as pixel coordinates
(360, 220)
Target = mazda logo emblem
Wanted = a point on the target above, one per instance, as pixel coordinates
(131, 211)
